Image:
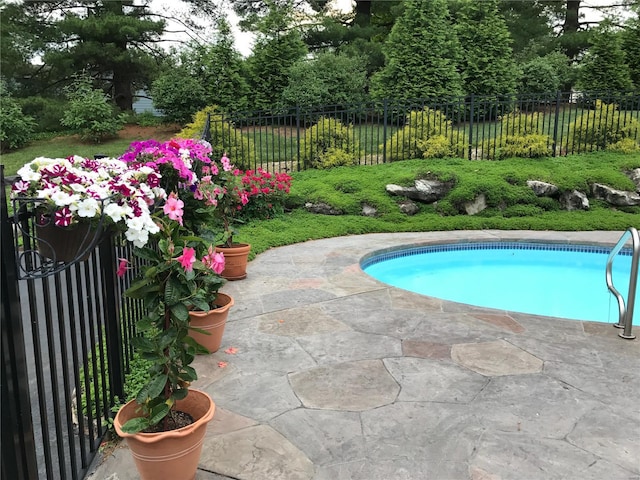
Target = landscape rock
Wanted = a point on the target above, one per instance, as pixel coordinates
(476, 206)
(634, 175)
(615, 197)
(321, 208)
(408, 207)
(542, 189)
(574, 200)
(426, 191)
(369, 211)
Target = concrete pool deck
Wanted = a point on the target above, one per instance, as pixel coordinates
(338, 376)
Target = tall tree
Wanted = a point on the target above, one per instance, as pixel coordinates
(114, 41)
(278, 46)
(604, 66)
(421, 54)
(487, 64)
(220, 69)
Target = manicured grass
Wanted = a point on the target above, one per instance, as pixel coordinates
(63, 146)
(512, 205)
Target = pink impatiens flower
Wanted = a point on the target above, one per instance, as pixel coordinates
(187, 259)
(173, 208)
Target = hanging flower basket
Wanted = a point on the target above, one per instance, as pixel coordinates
(67, 244)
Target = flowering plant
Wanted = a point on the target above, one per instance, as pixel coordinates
(73, 190)
(180, 162)
(240, 196)
(181, 274)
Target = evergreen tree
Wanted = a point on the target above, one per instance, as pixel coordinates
(328, 79)
(221, 70)
(487, 64)
(276, 49)
(631, 47)
(604, 66)
(421, 54)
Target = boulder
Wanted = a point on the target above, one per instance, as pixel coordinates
(634, 175)
(574, 200)
(321, 208)
(369, 211)
(619, 198)
(408, 207)
(542, 189)
(477, 205)
(426, 191)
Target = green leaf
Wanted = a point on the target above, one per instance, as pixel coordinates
(189, 373)
(147, 253)
(180, 394)
(180, 312)
(158, 413)
(136, 425)
(172, 291)
(143, 344)
(167, 338)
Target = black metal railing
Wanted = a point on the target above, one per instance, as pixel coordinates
(476, 125)
(65, 350)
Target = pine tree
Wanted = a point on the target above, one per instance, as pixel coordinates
(604, 66)
(421, 55)
(487, 65)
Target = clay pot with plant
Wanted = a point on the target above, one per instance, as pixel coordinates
(180, 275)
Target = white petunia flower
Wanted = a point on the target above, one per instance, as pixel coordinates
(88, 208)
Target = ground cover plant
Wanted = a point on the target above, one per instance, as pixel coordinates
(512, 205)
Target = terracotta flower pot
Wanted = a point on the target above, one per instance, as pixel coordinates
(213, 322)
(174, 454)
(235, 258)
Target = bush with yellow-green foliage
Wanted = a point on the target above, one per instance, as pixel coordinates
(602, 128)
(427, 133)
(225, 138)
(520, 137)
(328, 144)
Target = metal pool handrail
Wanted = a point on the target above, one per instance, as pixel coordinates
(626, 312)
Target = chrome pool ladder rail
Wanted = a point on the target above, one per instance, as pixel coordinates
(626, 311)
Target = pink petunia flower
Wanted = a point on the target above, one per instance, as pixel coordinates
(187, 259)
(63, 217)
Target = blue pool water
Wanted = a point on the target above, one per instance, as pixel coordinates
(565, 281)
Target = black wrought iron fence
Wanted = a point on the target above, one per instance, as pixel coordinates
(476, 127)
(65, 350)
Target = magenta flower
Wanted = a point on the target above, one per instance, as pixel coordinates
(122, 267)
(63, 217)
(20, 187)
(187, 259)
(174, 208)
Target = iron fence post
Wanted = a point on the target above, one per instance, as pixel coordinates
(17, 443)
(112, 319)
(471, 110)
(298, 134)
(555, 123)
(385, 121)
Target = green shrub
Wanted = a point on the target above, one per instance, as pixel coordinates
(147, 119)
(414, 140)
(625, 145)
(522, 211)
(532, 146)
(224, 137)
(47, 112)
(329, 144)
(16, 128)
(90, 114)
(177, 95)
(602, 127)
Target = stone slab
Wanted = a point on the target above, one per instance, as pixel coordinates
(344, 346)
(495, 358)
(350, 386)
(296, 322)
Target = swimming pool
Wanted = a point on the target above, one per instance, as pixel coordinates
(556, 280)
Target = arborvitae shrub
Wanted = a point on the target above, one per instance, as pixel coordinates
(328, 144)
(225, 138)
(414, 139)
(602, 128)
